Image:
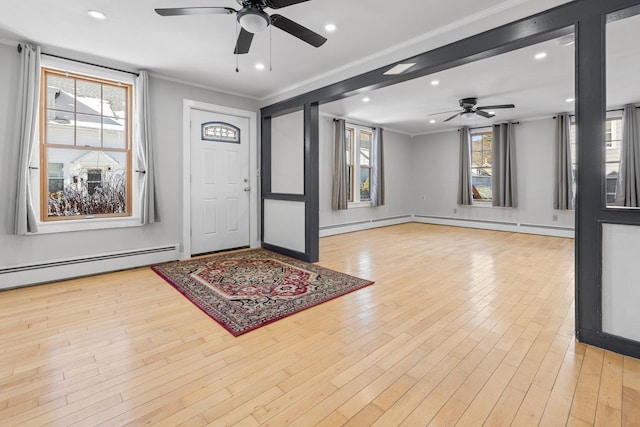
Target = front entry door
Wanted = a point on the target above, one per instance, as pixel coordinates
(219, 181)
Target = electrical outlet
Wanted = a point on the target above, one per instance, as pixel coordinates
(455, 210)
(554, 217)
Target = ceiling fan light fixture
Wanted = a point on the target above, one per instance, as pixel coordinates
(468, 114)
(253, 19)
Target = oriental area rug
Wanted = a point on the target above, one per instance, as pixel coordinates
(245, 290)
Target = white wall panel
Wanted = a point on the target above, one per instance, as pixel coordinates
(620, 280)
(284, 224)
(287, 153)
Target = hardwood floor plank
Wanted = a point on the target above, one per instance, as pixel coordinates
(585, 399)
(462, 327)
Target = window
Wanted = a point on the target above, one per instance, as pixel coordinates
(613, 145)
(359, 143)
(481, 161)
(349, 156)
(85, 149)
(220, 132)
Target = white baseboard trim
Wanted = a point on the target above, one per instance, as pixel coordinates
(514, 227)
(30, 274)
(330, 230)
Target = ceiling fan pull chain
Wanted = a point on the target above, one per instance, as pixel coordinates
(236, 52)
(270, 47)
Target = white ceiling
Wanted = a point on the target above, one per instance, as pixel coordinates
(538, 88)
(370, 34)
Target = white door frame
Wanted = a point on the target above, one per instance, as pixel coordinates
(187, 106)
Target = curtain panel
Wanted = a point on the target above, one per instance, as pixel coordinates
(563, 197)
(339, 190)
(503, 147)
(27, 120)
(377, 188)
(465, 190)
(628, 183)
(144, 146)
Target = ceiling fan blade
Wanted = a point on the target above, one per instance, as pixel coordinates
(442, 112)
(277, 4)
(244, 42)
(178, 11)
(495, 107)
(484, 114)
(452, 117)
(297, 30)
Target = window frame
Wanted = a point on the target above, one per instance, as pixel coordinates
(39, 175)
(354, 168)
(350, 135)
(614, 115)
(45, 145)
(483, 131)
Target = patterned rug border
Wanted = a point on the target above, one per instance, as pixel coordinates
(293, 261)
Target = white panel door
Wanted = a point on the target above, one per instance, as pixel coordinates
(219, 181)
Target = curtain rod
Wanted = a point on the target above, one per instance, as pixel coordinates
(84, 62)
(606, 111)
(488, 126)
(356, 123)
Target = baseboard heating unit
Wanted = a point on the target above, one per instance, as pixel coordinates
(331, 229)
(48, 271)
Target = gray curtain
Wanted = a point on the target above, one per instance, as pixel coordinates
(27, 105)
(465, 191)
(628, 183)
(148, 206)
(563, 197)
(339, 192)
(377, 187)
(503, 148)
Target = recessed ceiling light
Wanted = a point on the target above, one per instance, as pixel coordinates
(435, 82)
(540, 55)
(366, 99)
(399, 69)
(330, 28)
(432, 121)
(259, 66)
(96, 14)
(570, 99)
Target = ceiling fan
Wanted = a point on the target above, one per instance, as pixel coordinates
(469, 109)
(253, 19)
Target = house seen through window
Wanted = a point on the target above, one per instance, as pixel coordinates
(359, 141)
(481, 163)
(85, 146)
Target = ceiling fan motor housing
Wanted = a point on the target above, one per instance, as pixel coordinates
(468, 102)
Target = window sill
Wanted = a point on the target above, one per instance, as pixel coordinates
(86, 224)
(357, 205)
(483, 203)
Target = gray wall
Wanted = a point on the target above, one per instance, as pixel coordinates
(397, 151)
(434, 166)
(166, 116)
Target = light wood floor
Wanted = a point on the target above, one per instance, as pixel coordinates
(462, 327)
